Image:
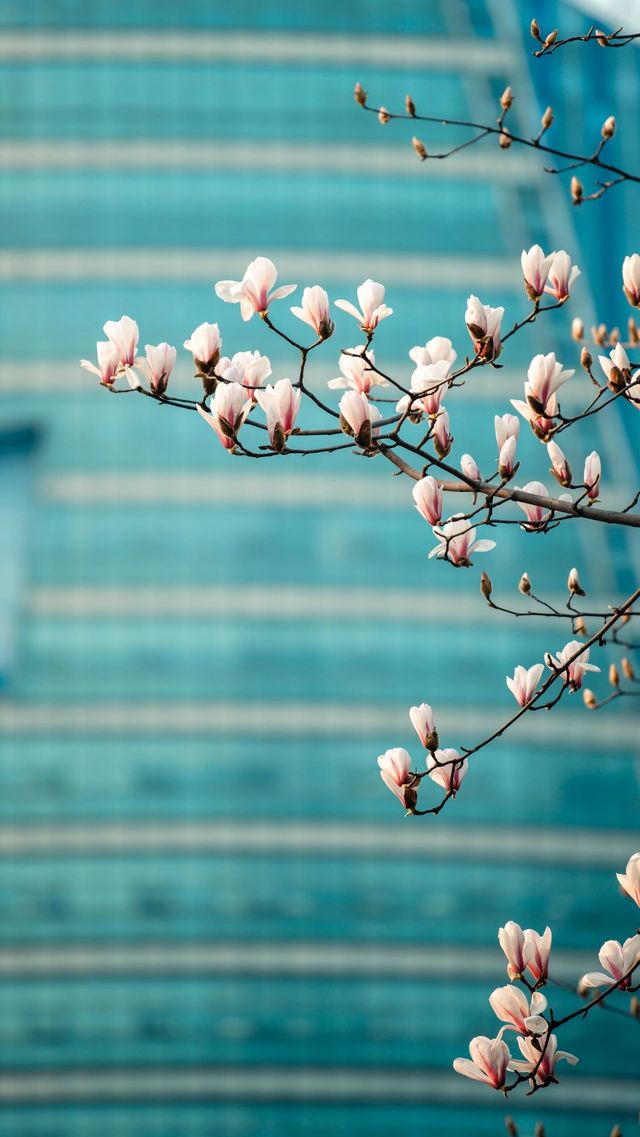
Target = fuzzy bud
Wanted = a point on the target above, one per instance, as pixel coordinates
(505, 140)
(360, 95)
(577, 329)
(551, 38)
(615, 379)
(511, 1127)
(535, 29)
(506, 98)
(627, 668)
(539, 1130)
(486, 587)
(579, 627)
(577, 190)
(634, 1010)
(383, 116)
(419, 148)
(410, 106)
(614, 677)
(634, 337)
(547, 118)
(586, 359)
(608, 127)
(602, 39)
(614, 336)
(573, 584)
(524, 584)
(616, 1131)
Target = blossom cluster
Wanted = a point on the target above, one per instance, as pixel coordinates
(524, 1012)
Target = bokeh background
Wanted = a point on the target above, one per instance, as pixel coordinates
(214, 919)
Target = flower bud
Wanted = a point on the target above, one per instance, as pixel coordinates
(539, 1130)
(608, 127)
(614, 677)
(511, 1127)
(419, 148)
(614, 336)
(616, 1131)
(615, 379)
(577, 329)
(627, 668)
(577, 190)
(573, 584)
(602, 39)
(383, 116)
(535, 29)
(486, 587)
(634, 1010)
(360, 95)
(505, 140)
(600, 334)
(506, 98)
(589, 699)
(586, 359)
(579, 627)
(551, 38)
(524, 584)
(547, 118)
(634, 337)
(410, 106)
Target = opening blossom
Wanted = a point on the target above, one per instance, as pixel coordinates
(395, 771)
(281, 404)
(205, 345)
(157, 367)
(592, 472)
(427, 495)
(511, 1005)
(562, 276)
(371, 301)
(630, 880)
(124, 335)
(315, 311)
(457, 541)
(616, 367)
(545, 1068)
(631, 279)
(535, 269)
(616, 959)
(544, 377)
(537, 516)
(253, 293)
(423, 723)
(524, 682)
(108, 362)
(359, 417)
(429, 381)
(246, 367)
(436, 350)
(227, 412)
(356, 373)
(577, 669)
(489, 1062)
(525, 951)
(560, 468)
(483, 324)
(447, 769)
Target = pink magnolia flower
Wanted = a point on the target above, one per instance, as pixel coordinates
(281, 404)
(427, 495)
(108, 362)
(546, 1067)
(158, 366)
(630, 880)
(616, 360)
(442, 435)
(507, 458)
(359, 417)
(562, 276)
(483, 324)
(430, 382)
(524, 682)
(227, 412)
(544, 376)
(469, 467)
(205, 344)
(315, 311)
(537, 949)
(457, 541)
(395, 771)
(424, 725)
(511, 1005)
(511, 940)
(631, 279)
(542, 426)
(506, 426)
(580, 664)
(536, 514)
(124, 334)
(246, 367)
(616, 960)
(560, 468)
(535, 269)
(356, 373)
(371, 301)
(435, 350)
(447, 769)
(490, 1059)
(591, 476)
(253, 293)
